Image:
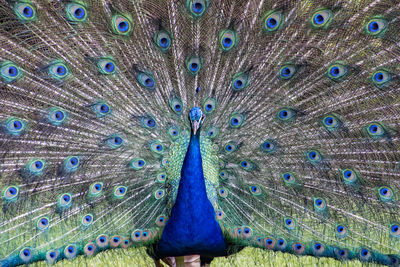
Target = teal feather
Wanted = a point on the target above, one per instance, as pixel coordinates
(296, 125)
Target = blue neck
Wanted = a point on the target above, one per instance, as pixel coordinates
(192, 228)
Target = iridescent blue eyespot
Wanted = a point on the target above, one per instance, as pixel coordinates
(290, 223)
(64, 201)
(106, 65)
(286, 114)
(197, 7)
(176, 105)
(11, 193)
(137, 164)
(236, 120)
(273, 21)
(385, 193)
(146, 80)
(376, 130)
(26, 255)
(115, 141)
(337, 71)
(287, 71)
(101, 109)
(228, 40)
(121, 25)
(148, 122)
(9, 71)
(43, 223)
(376, 26)
(321, 18)
(162, 39)
(381, 78)
(395, 230)
(340, 231)
(314, 156)
(70, 251)
(87, 220)
(25, 11)
(58, 70)
(76, 12)
(240, 81)
(14, 126)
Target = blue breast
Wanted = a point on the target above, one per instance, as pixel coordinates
(192, 227)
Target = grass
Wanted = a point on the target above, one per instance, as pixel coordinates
(247, 257)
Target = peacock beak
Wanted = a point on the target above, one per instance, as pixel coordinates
(196, 126)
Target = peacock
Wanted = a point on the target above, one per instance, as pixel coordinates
(199, 127)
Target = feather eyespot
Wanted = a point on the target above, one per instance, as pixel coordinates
(162, 39)
(376, 26)
(381, 78)
(76, 12)
(43, 223)
(240, 81)
(87, 220)
(273, 21)
(9, 72)
(25, 11)
(14, 126)
(70, 251)
(89, 249)
(290, 223)
(340, 231)
(321, 18)
(26, 254)
(11, 193)
(287, 71)
(121, 25)
(228, 39)
(286, 114)
(194, 64)
(137, 164)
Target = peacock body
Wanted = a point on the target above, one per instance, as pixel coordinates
(199, 127)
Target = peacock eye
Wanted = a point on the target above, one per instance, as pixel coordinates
(337, 71)
(101, 109)
(15, 126)
(9, 71)
(58, 70)
(146, 80)
(240, 81)
(313, 156)
(236, 120)
(228, 39)
(25, 11)
(376, 130)
(121, 25)
(76, 12)
(381, 78)
(157, 147)
(115, 141)
(176, 105)
(64, 201)
(287, 71)
(321, 18)
(56, 116)
(268, 146)
(197, 7)
(194, 64)
(137, 164)
(87, 220)
(159, 193)
(385, 193)
(286, 114)
(162, 39)
(376, 27)
(26, 255)
(70, 251)
(106, 66)
(273, 21)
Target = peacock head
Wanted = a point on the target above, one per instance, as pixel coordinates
(196, 118)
